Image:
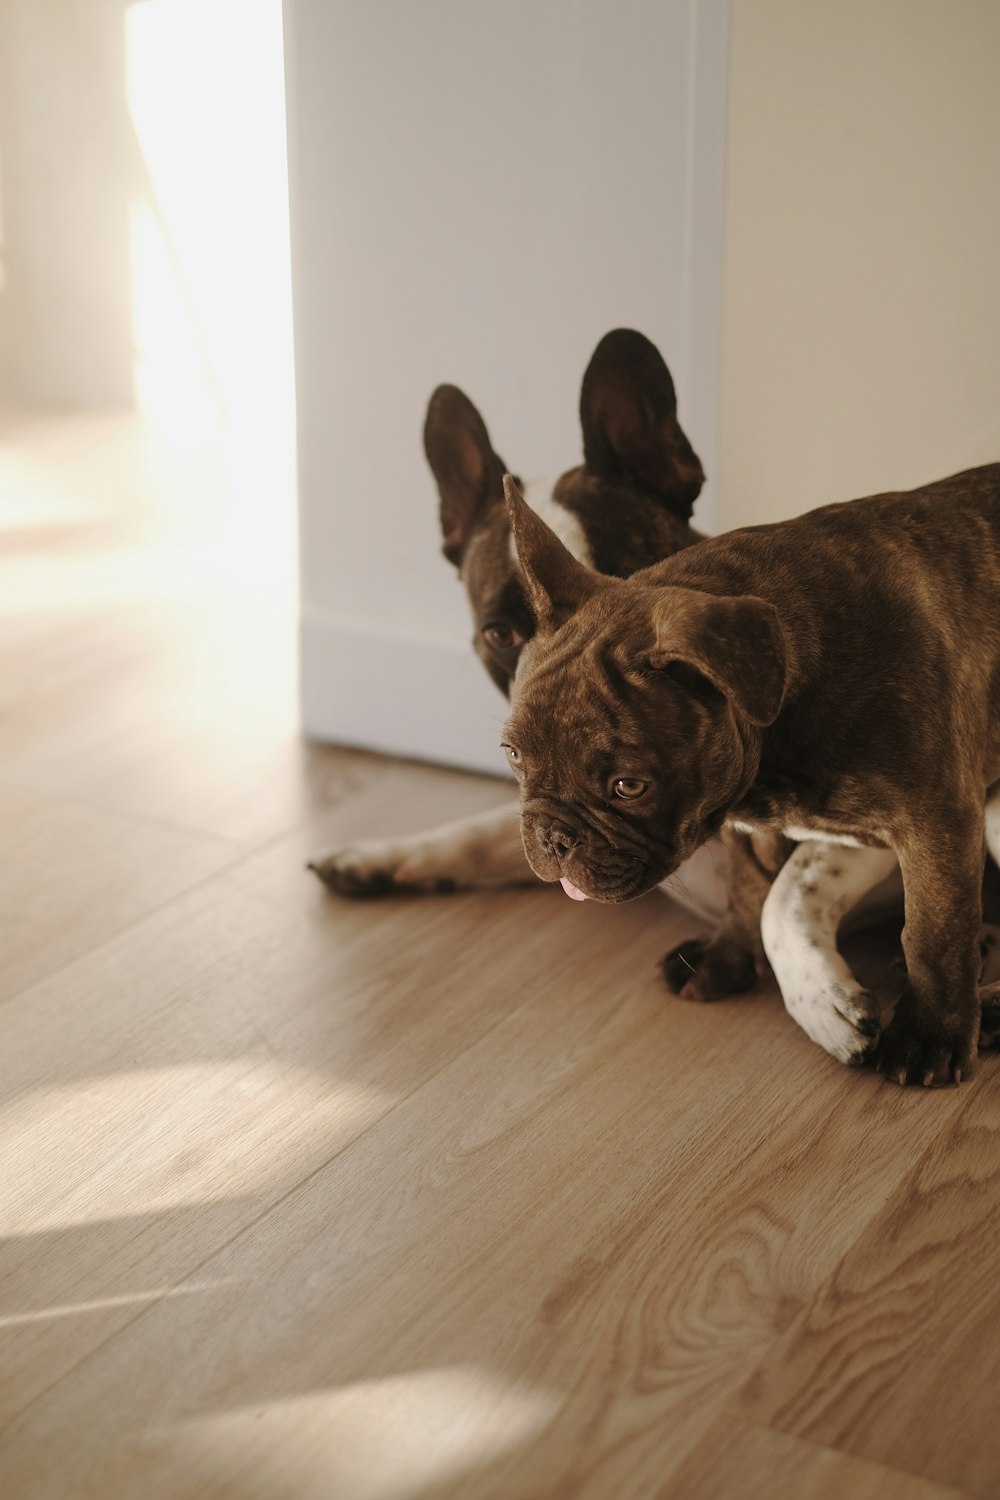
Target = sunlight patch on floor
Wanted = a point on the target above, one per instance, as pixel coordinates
(136, 1300)
(212, 519)
(145, 1141)
(384, 1438)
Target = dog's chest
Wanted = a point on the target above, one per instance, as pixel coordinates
(800, 833)
(768, 811)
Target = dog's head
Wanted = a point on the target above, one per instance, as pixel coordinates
(637, 717)
(627, 505)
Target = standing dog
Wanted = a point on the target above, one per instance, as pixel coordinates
(835, 678)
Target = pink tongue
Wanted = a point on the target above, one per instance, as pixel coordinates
(572, 890)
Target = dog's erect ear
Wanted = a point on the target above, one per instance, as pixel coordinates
(556, 583)
(737, 643)
(469, 474)
(628, 411)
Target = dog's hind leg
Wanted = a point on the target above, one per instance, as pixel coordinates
(817, 887)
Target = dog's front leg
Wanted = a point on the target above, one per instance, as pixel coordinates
(819, 884)
(934, 1032)
(482, 850)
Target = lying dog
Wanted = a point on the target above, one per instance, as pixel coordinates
(835, 679)
(628, 505)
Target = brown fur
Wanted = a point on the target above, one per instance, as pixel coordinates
(632, 497)
(840, 673)
(633, 493)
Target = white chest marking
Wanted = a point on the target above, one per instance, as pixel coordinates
(802, 835)
(793, 831)
(538, 493)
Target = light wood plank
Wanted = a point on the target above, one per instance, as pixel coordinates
(603, 1210)
(410, 1198)
(73, 875)
(165, 1090)
(896, 1358)
(132, 713)
(138, 714)
(149, 630)
(738, 1462)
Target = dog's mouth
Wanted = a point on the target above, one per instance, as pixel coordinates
(626, 885)
(560, 853)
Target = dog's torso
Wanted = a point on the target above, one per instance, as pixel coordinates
(894, 604)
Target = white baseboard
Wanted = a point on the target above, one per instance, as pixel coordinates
(378, 689)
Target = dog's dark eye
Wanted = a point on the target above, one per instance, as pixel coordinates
(502, 637)
(629, 788)
(513, 755)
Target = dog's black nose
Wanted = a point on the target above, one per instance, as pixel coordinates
(557, 839)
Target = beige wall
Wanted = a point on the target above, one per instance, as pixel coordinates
(144, 237)
(861, 324)
(65, 334)
(437, 236)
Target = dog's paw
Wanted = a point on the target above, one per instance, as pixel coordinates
(709, 969)
(921, 1050)
(842, 1018)
(373, 868)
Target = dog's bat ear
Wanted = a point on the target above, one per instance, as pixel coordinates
(469, 474)
(556, 583)
(628, 412)
(736, 643)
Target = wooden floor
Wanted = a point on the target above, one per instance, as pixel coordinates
(416, 1198)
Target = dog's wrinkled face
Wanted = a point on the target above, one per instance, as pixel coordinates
(626, 506)
(619, 762)
(636, 717)
(503, 618)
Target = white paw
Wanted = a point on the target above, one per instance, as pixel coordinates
(840, 1017)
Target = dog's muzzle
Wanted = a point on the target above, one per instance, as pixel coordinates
(557, 851)
(557, 839)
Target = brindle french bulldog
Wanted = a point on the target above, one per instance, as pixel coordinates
(834, 678)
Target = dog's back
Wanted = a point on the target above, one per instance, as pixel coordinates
(948, 531)
(897, 594)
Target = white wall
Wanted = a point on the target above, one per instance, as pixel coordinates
(861, 345)
(479, 192)
(144, 206)
(65, 158)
